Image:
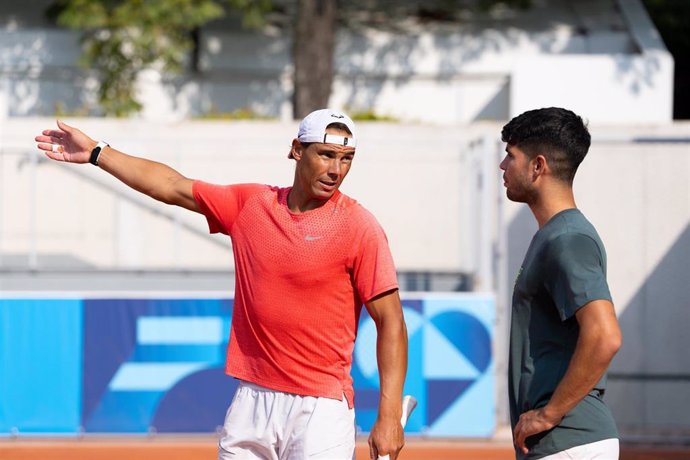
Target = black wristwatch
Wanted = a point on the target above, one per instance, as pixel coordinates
(96, 152)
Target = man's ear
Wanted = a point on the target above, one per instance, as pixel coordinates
(296, 150)
(539, 166)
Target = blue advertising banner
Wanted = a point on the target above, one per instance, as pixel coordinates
(128, 365)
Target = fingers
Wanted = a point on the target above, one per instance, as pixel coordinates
(51, 143)
(49, 139)
(48, 147)
(53, 151)
(520, 444)
(54, 133)
(520, 437)
(386, 440)
(376, 454)
(65, 144)
(64, 126)
(517, 436)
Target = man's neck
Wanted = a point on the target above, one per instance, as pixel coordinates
(298, 202)
(550, 202)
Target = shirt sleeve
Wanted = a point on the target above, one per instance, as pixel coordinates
(373, 267)
(221, 204)
(576, 273)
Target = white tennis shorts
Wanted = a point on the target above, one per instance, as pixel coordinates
(608, 449)
(271, 425)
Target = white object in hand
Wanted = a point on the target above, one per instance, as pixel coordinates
(408, 404)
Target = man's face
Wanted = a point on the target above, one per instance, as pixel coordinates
(517, 179)
(322, 167)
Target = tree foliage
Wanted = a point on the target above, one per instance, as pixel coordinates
(672, 18)
(120, 38)
(253, 11)
(123, 37)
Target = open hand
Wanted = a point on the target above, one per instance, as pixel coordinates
(66, 144)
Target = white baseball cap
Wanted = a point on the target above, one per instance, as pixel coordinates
(313, 128)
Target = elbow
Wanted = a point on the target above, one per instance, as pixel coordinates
(603, 345)
(612, 342)
(618, 342)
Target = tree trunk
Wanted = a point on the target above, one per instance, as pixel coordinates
(312, 55)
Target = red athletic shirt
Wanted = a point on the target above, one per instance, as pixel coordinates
(300, 281)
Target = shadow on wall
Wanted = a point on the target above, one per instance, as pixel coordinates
(219, 95)
(520, 232)
(638, 72)
(498, 107)
(48, 96)
(649, 381)
(394, 63)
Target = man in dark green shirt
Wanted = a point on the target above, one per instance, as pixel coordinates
(564, 331)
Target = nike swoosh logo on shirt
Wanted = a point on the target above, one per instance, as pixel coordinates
(312, 238)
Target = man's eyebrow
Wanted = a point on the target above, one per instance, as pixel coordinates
(328, 149)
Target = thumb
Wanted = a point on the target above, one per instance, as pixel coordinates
(64, 126)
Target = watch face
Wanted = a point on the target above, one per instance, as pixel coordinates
(94, 155)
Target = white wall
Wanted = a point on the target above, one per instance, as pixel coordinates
(400, 174)
(610, 89)
(615, 87)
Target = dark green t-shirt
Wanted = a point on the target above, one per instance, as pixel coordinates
(564, 269)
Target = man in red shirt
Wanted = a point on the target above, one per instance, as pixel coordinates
(306, 258)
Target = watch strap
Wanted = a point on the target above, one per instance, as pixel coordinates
(96, 152)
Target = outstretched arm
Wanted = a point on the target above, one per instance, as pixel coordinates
(391, 351)
(598, 342)
(151, 178)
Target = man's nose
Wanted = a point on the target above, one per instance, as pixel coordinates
(334, 168)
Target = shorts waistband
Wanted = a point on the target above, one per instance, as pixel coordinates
(254, 386)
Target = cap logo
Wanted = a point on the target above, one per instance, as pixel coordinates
(337, 116)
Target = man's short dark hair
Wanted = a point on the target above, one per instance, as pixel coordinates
(558, 134)
(339, 127)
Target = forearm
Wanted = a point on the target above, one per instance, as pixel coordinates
(149, 177)
(391, 352)
(386, 437)
(598, 342)
(161, 182)
(586, 368)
